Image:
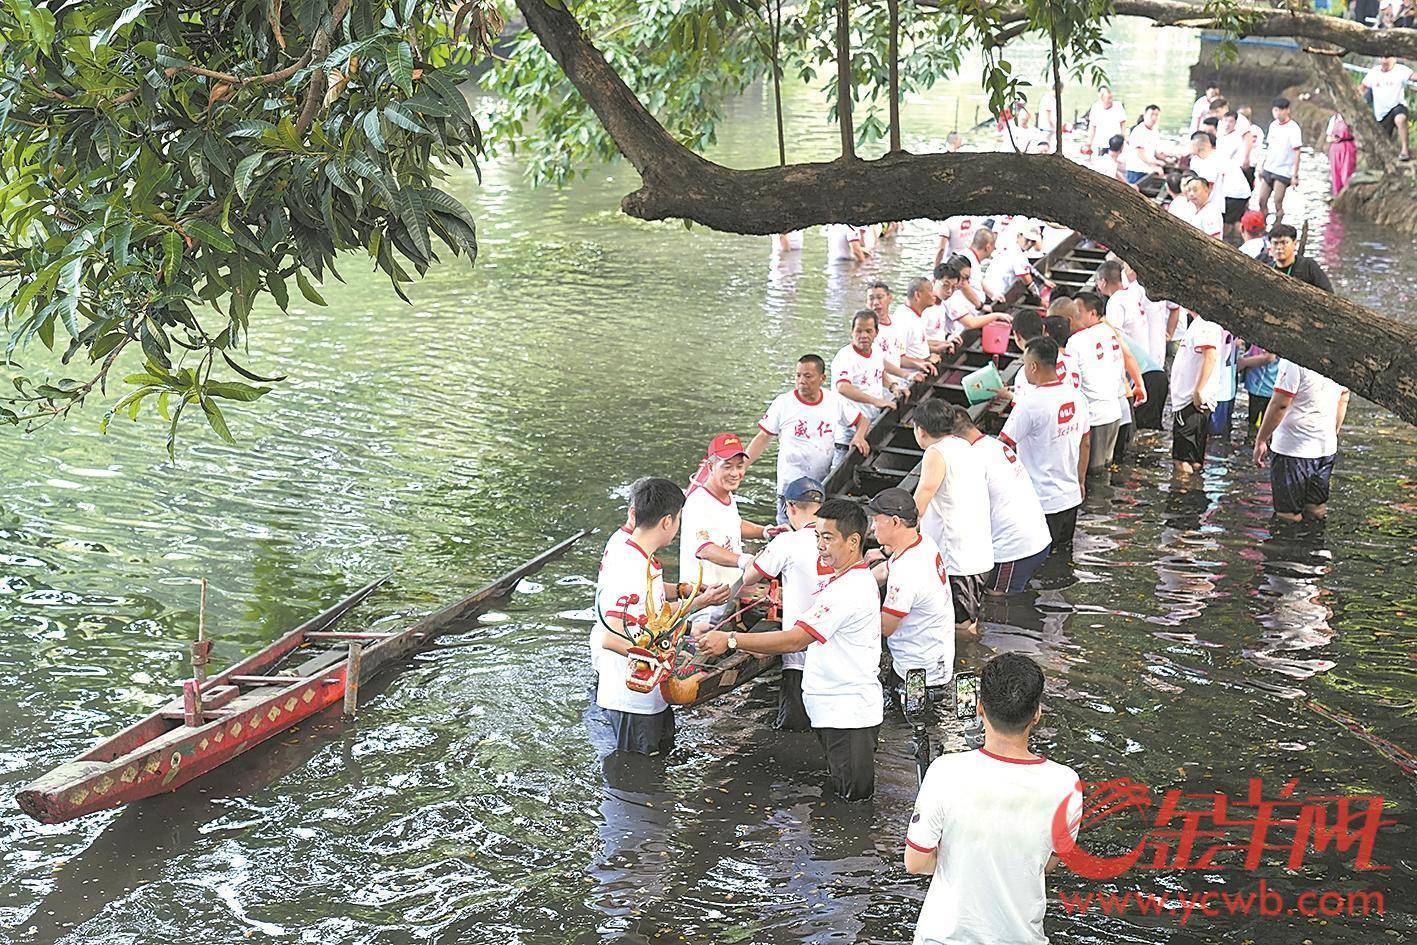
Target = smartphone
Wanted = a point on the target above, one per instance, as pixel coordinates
(915, 695)
(966, 695)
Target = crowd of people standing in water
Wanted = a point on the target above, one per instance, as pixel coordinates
(986, 512)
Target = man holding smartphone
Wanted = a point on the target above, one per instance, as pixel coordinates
(992, 811)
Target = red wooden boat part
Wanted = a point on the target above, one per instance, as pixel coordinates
(289, 681)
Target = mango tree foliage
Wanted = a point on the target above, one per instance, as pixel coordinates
(167, 163)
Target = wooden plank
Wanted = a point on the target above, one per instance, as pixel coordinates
(349, 635)
(351, 678)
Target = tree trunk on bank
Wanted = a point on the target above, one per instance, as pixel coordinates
(1376, 151)
(1373, 356)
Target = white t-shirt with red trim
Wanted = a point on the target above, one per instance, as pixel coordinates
(910, 328)
(958, 231)
(620, 592)
(957, 517)
(866, 373)
(1208, 219)
(841, 686)
(946, 319)
(1106, 122)
(1201, 335)
(918, 592)
(1067, 372)
(1309, 429)
(1097, 355)
(890, 340)
(1018, 527)
(709, 520)
(792, 558)
(990, 821)
(1126, 314)
(807, 432)
(1046, 430)
(976, 268)
(597, 631)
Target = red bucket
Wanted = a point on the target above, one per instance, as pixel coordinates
(995, 339)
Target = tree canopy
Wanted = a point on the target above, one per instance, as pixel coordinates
(166, 165)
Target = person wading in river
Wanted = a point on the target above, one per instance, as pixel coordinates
(983, 825)
(952, 501)
(792, 559)
(1096, 351)
(841, 686)
(1049, 431)
(642, 721)
(809, 420)
(1300, 435)
(1280, 169)
(1196, 387)
(917, 616)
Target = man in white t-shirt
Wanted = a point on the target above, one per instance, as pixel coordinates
(907, 323)
(630, 579)
(1049, 431)
(1105, 118)
(955, 234)
(1388, 83)
(1143, 154)
(1280, 169)
(792, 559)
(917, 615)
(1018, 530)
(1107, 161)
(844, 243)
(1196, 207)
(988, 824)
(1202, 106)
(952, 499)
(714, 531)
(809, 421)
(1011, 264)
(861, 374)
(841, 630)
(1096, 352)
(1300, 433)
(1195, 390)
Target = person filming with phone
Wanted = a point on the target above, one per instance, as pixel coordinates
(982, 829)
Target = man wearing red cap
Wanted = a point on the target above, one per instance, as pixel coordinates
(713, 531)
(1252, 228)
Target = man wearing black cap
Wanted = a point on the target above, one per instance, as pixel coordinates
(792, 558)
(841, 688)
(917, 617)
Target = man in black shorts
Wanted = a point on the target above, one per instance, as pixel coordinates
(1300, 435)
(1195, 387)
(1387, 83)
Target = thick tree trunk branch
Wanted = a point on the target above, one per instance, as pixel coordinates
(1265, 21)
(1374, 356)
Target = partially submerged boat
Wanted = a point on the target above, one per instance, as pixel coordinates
(304, 672)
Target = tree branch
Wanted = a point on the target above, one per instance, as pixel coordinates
(1262, 21)
(843, 81)
(1372, 355)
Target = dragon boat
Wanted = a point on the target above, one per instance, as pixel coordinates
(307, 670)
(894, 460)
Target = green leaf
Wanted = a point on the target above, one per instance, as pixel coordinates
(248, 374)
(217, 421)
(373, 131)
(246, 173)
(399, 59)
(232, 390)
(210, 235)
(400, 117)
(172, 252)
(306, 289)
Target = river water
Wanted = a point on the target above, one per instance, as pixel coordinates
(1193, 646)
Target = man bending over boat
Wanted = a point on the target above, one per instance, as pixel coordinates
(631, 581)
(841, 688)
(861, 374)
(809, 421)
(792, 559)
(713, 529)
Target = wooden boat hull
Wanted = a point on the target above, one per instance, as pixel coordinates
(159, 754)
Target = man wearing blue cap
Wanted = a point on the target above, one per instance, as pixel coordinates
(792, 558)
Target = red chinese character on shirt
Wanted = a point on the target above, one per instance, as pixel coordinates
(800, 430)
(824, 429)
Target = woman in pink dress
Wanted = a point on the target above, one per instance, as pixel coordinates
(1342, 152)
